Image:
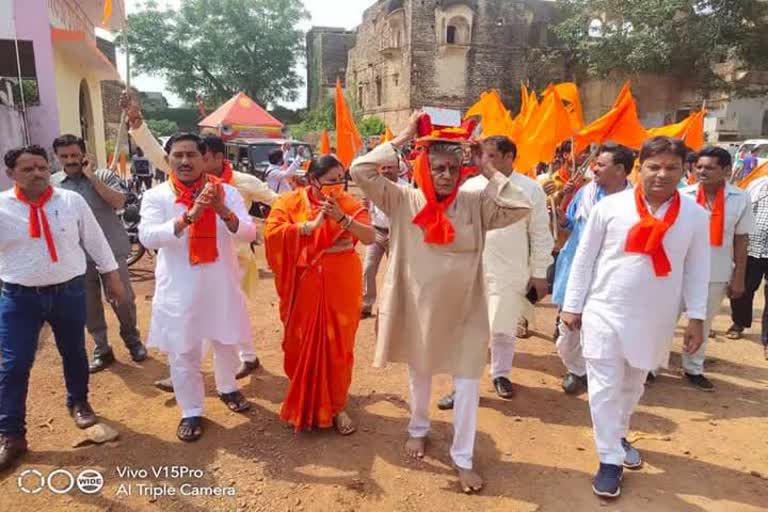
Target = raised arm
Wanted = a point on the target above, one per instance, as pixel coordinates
(502, 203)
(141, 133)
(253, 189)
(378, 189)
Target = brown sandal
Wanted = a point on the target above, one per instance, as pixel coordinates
(235, 401)
(344, 424)
(522, 329)
(190, 429)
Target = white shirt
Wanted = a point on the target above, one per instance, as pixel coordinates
(201, 302)
(627, 310)
(514, 254)
(738, 221)
(278, 176)
(26, 261)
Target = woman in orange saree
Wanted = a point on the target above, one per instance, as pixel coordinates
(310, 239)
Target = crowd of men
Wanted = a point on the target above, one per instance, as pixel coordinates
(469, 246)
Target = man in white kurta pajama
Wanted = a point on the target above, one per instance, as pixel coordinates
(515, 259)
(196, 305)
(627, 302)
(433, 314)
(252, 189)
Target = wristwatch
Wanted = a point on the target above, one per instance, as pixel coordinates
(187, 218)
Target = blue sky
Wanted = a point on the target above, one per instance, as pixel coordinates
(323, 12)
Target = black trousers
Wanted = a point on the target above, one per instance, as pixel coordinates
(741, 308)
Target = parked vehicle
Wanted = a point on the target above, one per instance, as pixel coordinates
(252, 155)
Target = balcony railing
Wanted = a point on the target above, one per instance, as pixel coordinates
(68, 14)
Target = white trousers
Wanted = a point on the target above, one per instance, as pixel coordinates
(188, 380)
(615, 389)
(466, 404)
(569, 348)
(247, 351)
(694, 363)
(502, 354)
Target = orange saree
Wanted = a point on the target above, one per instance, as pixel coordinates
(320, 289)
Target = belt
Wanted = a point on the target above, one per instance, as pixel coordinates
(42, 290)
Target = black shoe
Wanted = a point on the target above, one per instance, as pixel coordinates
(365, 315)
(138, 352)
(574, 384)
(247, 368)
(11, 448)
(101, 362)
(83, 415)
(650, 379)
(165, 385)
(503, 387)
(607, 481)
(446, 403)
(701, 382)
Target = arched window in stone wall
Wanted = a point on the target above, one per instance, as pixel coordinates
(378, 91)
(457, 31)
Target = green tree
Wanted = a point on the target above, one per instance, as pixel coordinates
(162, 127)
(370, 126)
(708, 42)
(216, 48)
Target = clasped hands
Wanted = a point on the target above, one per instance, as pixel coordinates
(212, 196)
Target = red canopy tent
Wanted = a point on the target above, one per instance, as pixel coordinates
(241, 117)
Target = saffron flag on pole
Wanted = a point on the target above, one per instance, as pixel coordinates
(348, 139)
(325, 143)
(107, 13)
(620, 125)
(547, 128)
(690, 129)
(569, 92)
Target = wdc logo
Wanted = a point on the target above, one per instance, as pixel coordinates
(60, 481)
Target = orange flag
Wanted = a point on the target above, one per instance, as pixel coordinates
(620, 125)
(569, 92)
(348, 140)
(107, 13)
(325, 143)
(547, 128)
(690, 129)
(388, 136)
(758, 172)
(494, 116)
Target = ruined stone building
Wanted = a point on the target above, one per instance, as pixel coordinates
(408, 54)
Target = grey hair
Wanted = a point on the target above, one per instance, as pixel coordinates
(447, 148)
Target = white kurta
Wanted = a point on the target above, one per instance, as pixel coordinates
(619, 294)
(200, 302)
(514, 254)
(433, 312)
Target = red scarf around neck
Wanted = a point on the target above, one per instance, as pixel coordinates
(37, 218)
(647, 236)
(202, 233)
(717, 214)
(227, 174)
(437, 227)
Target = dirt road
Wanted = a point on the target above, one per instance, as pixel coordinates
(703, 452)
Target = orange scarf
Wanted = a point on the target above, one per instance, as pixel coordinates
(432, 219)
(202, 232)
(226, 174)
(647, 236)
(717, 215)
(37, 218)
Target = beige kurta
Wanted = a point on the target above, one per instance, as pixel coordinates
(433, 313)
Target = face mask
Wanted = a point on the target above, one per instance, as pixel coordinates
(332, 190)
